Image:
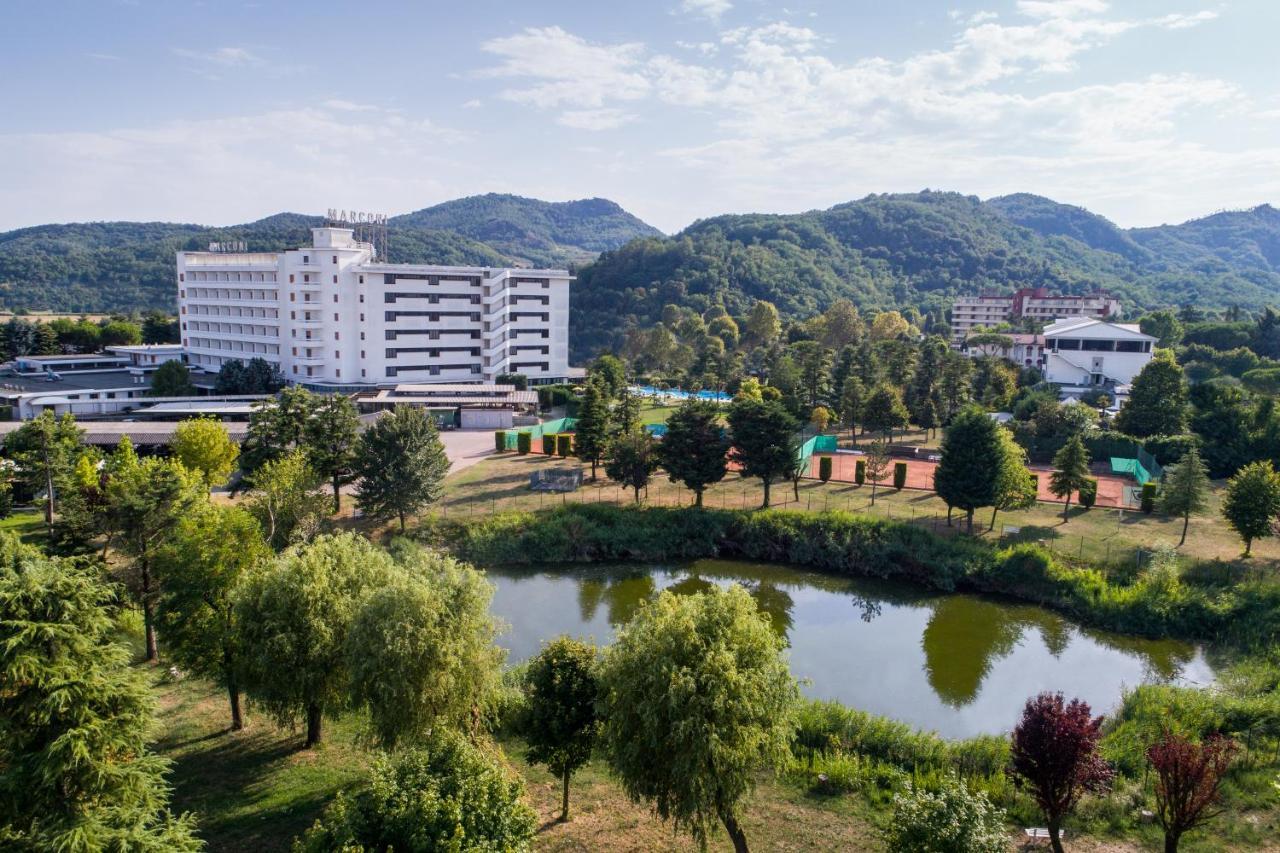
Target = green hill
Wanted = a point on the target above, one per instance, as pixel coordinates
(541, 233)
(921, 249)
(123, 266)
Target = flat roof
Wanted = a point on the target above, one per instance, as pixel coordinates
(105, 380)
(109, 433)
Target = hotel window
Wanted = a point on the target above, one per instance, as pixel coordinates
(182, 276)
(337, 354)
(335, 259)
(362, 353)
(337, 373)
(291, 278)
(362, 280)
(335, 316)
(306, 259)
(335, 297)
(362, 333)
(362, 295)
(335, 336)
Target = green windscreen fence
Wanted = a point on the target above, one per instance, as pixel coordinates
(817, 444)
(539, 430)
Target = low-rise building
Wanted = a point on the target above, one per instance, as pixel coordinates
(1082, 354)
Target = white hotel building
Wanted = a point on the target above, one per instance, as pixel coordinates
(333, 316)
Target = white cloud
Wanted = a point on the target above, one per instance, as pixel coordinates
(712, 10)
(105, 57)
(228, 57)
(349, 106)
(1179, 21)
(231, 169)
(1061, 8)
(566, 70)
(602, 119)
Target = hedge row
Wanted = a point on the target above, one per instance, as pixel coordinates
(1157, 603)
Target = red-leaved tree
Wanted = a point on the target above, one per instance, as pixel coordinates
(1188, 782)
(1054, 757)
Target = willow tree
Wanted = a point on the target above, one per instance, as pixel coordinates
(696, 698)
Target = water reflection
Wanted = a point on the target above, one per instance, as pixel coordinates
(959, 664)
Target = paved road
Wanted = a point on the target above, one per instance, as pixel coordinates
(466, 447)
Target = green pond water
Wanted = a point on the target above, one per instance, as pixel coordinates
(957, 664)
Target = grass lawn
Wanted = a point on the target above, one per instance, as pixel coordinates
(655, 413)
(27, 524)
(502, 483)
(256, 790)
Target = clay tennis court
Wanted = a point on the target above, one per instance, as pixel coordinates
(920, 476)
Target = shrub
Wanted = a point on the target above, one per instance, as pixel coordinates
(564, 444)
(1089, 493)
(500, 440)
(1149, 490)
(524, 443)
(899, 475)
(951, 820)
(824, 468)
(549, 444)
(860, 471)
(429, 798)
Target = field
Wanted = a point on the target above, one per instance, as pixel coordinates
(501, 483)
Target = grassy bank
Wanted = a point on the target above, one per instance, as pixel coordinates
(1204, 603)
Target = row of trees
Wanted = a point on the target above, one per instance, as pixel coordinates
(20, 336)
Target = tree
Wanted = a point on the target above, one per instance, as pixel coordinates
(561, 725)
(209, 555)
(820, 418)
(877, 469)
(294, 619)
(1071, 471)
(1252, 502)
(632, 460)
(1185, 489)
(119, 332)
(331, 436)
(172, 379)
(626, 414)
(695, 449)
(927, 417)
(1015, 485)
(1054, 757)
(421, 650)
(400, 464)
(204, 446)
(763, 325)
(611, 373)
(45, 449)
(851, 396)
(276, 427)
(814, 362)
(762, 440)
(159, 328)
(591, 433)
(285, 498)
(952, 820)
(519, 380)
(1188, 782)
(888, 326)
(443, 794)
(75, 770)
(969, 472)
(1163, 325)
(1157, 402)
(145, 501)
(883, 411)
(696, 697)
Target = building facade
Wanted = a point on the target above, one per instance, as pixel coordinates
(1023, 350)
(1082, 353)
(332, 316)
(974, 312)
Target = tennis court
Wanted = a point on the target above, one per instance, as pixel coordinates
(1111, 489)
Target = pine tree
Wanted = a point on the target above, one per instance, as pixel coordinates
(1185, 489)
(852, 394)
(74, 718)
(45, 449)
(591, 434)
(884, 410)
(968, 475)
(1071, 470)
(331, 436)
(763, 440)
(400, 464)
(694, 451)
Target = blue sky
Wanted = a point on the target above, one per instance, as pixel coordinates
(223, 112)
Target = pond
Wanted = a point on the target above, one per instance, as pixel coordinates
(960, 665)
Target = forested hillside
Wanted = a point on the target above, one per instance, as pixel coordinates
(542, 233)
(922, 250)
(123, 266)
